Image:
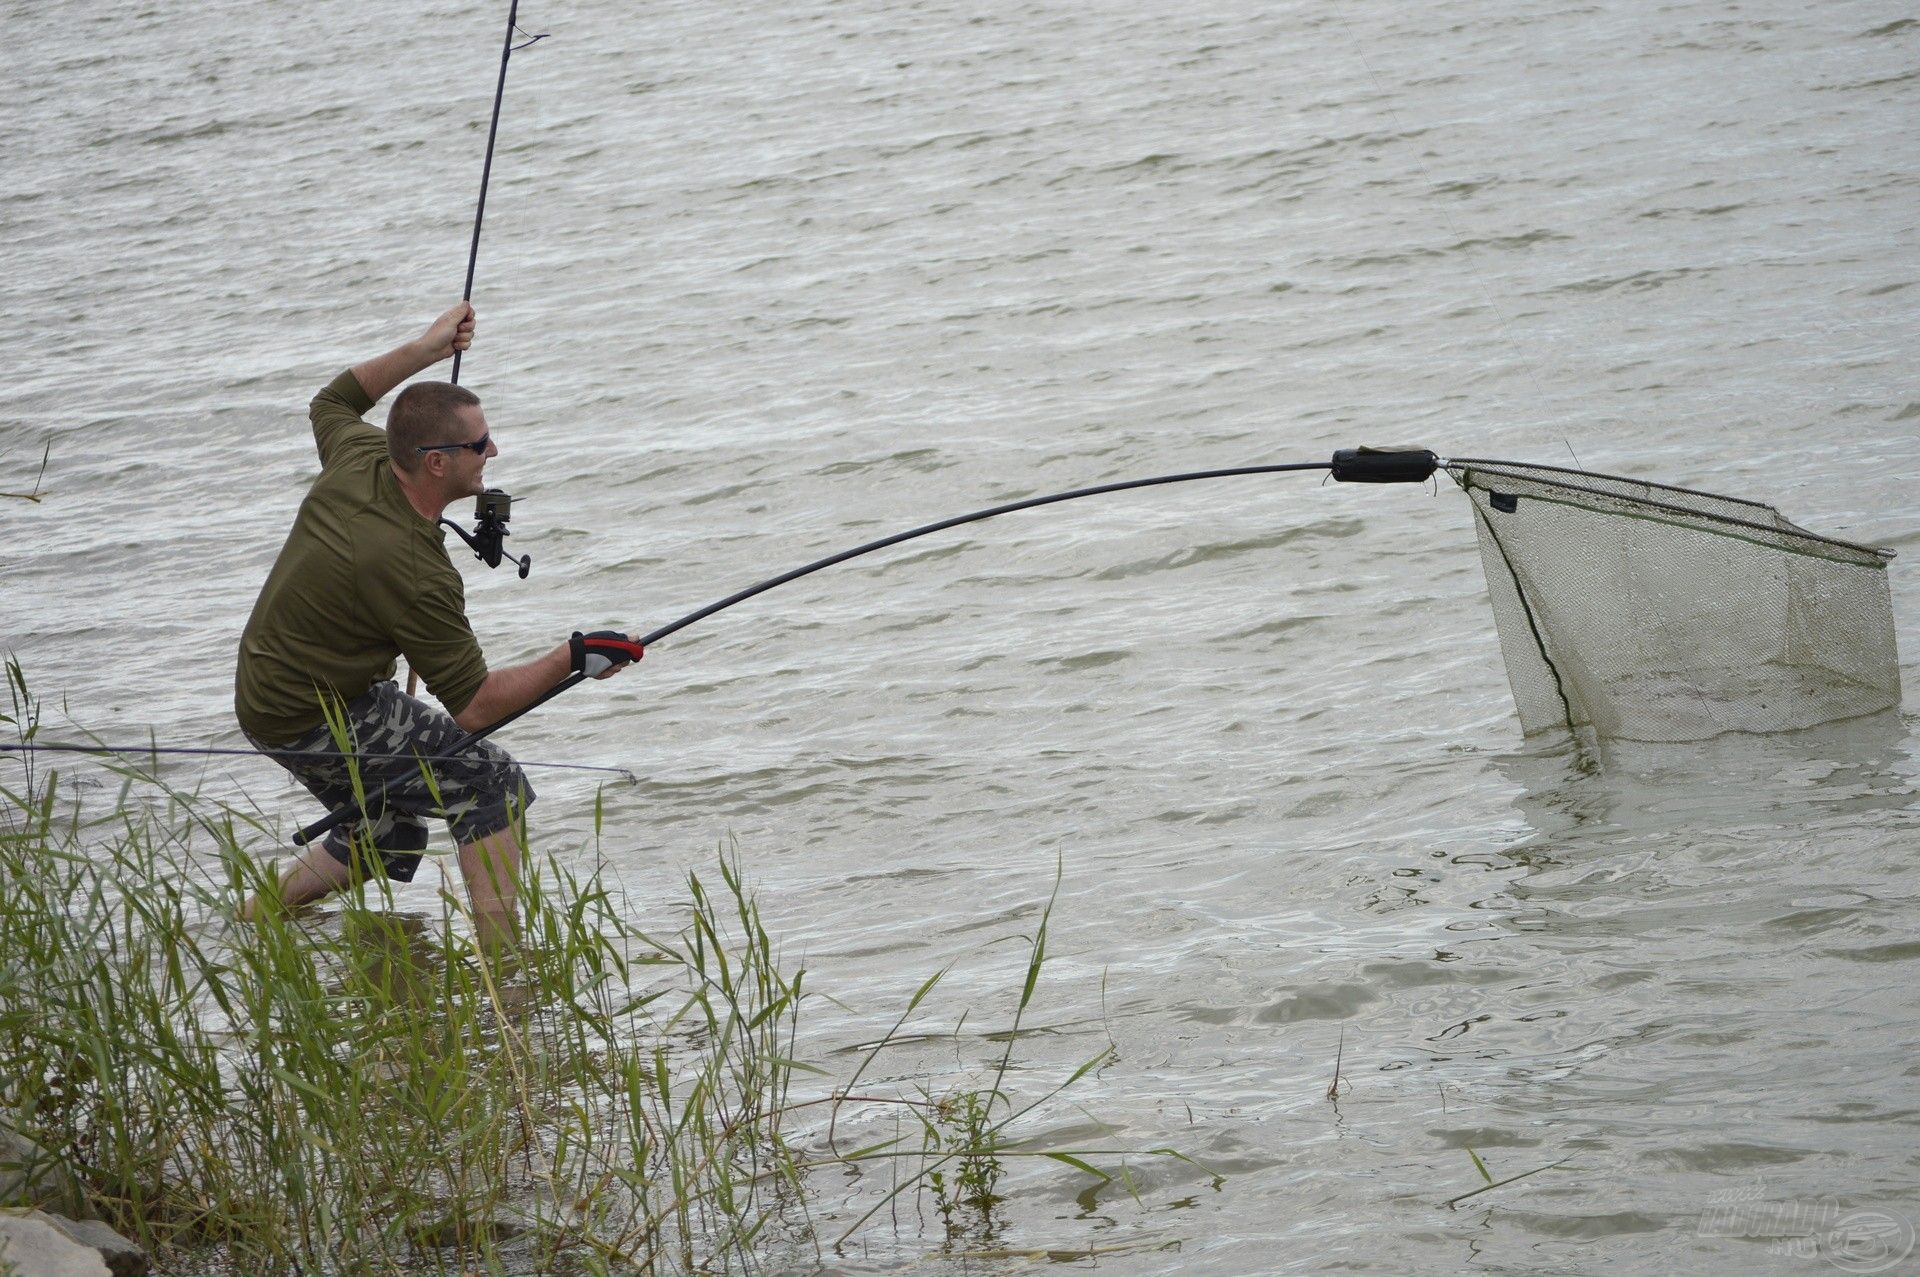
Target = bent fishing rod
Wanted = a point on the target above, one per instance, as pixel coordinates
(1349, 465)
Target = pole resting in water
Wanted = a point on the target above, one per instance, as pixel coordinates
(198, 751)
(1349, 465)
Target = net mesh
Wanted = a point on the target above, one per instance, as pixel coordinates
(1636, 611)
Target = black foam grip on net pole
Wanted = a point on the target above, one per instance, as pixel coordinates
(486, 169)
(1373, 465)
(334, 818)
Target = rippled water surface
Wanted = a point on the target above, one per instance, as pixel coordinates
(762, 282)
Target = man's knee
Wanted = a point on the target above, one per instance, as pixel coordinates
(497, 804)
(388, 847)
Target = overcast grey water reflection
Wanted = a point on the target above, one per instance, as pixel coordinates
(760, 283)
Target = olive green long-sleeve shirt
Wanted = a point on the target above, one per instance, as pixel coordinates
(362, 579)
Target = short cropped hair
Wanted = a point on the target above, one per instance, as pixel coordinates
(427, 412)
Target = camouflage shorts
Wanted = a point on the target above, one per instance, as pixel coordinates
(397, 741)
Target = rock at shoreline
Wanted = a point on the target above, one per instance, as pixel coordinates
(30, 1246)
(34, 1177)
(36, 1244)
(122, 1257)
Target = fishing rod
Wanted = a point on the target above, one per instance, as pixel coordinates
(74, 747)
(491, 511)
(507, 50)
(1349, 465)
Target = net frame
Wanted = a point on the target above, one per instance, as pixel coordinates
(1730, 618)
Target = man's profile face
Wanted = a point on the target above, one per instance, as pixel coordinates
(464, 468)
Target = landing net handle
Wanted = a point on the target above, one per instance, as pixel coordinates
(1349, 465)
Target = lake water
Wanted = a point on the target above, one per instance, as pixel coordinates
(759, 283)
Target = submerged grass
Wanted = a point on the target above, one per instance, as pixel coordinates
(372, 1093)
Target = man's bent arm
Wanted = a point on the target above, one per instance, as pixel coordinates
(451, 332)
(509, 690)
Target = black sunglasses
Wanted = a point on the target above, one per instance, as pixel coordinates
(478, 447)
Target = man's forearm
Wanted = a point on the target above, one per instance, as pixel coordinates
(509, 690)
(383, 372)
(451, 332)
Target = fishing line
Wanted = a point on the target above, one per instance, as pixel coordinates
(1348, 465)
(72, 747)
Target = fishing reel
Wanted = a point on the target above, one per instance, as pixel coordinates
(491, 511)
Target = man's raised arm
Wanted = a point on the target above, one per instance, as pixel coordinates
(451, 332)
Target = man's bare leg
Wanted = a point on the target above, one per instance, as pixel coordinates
(491, 866)
(310, 876)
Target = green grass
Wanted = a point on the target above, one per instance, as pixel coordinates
(366, 1091)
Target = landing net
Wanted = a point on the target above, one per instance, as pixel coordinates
(1637, 611)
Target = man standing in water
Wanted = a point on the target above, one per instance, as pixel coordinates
(364, 578)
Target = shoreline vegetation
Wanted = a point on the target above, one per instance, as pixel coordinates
(367, 1092)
